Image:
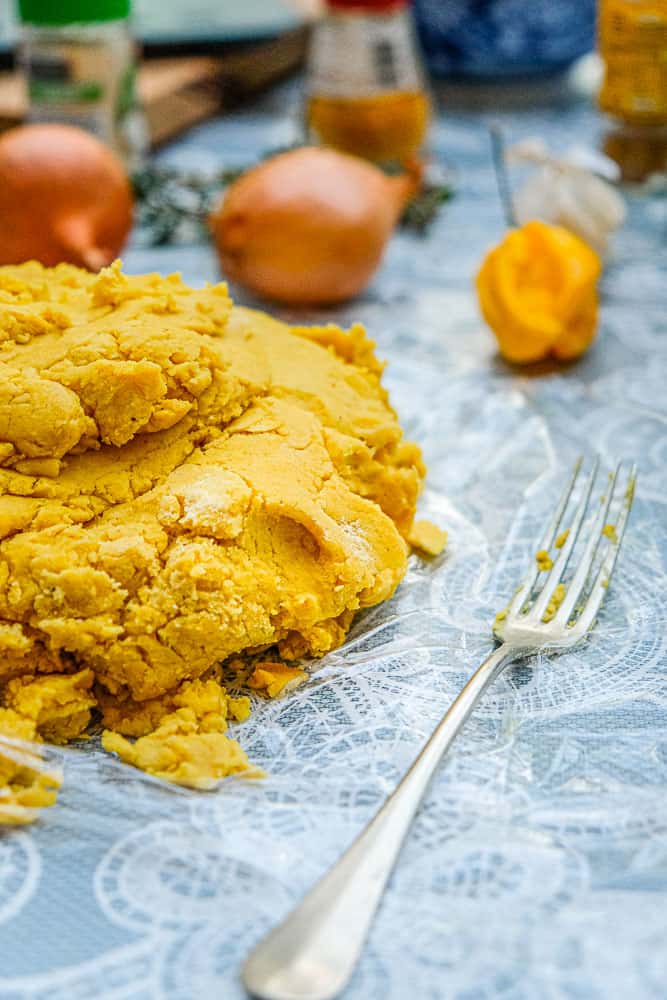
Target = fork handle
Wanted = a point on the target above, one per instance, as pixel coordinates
(312, 954)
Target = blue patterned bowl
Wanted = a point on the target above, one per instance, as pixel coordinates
(491, 38)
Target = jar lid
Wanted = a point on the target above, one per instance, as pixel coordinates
(368, 6)
(48, 12)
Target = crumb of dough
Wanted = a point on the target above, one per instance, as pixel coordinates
(188, 746)
(555, 602)
(544, 560)
(181, 481)
(207, 698)
(178, 751)
(273, 679)
(501, 615)
(59, 705)
(27, 783)
(562, 538)
(427, 537)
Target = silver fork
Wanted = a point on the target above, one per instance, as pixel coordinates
(311, 955)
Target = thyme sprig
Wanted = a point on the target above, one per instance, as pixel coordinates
(173, 205)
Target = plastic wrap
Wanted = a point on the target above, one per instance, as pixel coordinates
(538, 865)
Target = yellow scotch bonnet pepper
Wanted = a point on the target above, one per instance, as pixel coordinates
(538, 292)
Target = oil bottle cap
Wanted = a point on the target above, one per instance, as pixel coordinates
(46, 12)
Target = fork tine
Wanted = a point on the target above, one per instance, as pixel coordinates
(547, 540)
(601, 583)
(582, 573)
(560, 565)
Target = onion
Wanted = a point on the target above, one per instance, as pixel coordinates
(309, 226)
(64, 196)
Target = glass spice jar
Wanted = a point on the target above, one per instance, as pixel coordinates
(79, 61)
(366, 93)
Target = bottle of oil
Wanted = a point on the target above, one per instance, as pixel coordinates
(365, 91)
(633, 46)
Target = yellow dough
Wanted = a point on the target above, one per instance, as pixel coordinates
(180, 480)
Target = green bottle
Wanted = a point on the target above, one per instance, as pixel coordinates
(79, 61)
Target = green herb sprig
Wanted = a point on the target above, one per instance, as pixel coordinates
(173, 205)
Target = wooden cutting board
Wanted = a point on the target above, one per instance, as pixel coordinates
(180, 92)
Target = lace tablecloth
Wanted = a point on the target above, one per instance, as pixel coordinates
(538, 865)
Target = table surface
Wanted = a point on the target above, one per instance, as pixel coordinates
(538, 865)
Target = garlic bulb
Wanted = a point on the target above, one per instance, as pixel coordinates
(570, 192)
